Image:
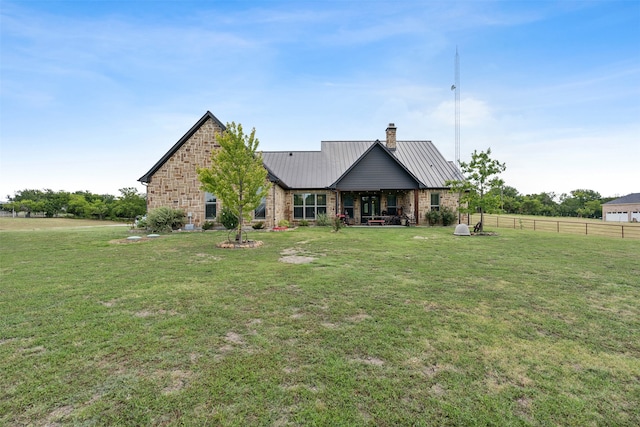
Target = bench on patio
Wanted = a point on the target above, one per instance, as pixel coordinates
(375, 221)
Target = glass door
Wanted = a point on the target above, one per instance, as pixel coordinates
(369, 207)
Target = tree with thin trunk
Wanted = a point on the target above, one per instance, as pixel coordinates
(482, 177)
(237, 176)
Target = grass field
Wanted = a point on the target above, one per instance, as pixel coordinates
(380, 326)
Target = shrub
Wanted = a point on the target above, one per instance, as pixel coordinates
(228, 219)
(337, 223)
(433, 217)
(258, 225)
(303, 223)
(322, 220)
(208, 225)
(448, 216)
(140, 222)
(283, 223)
(164, 219)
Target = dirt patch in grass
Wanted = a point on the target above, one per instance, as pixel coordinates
(148, 313)
(240, 245)
(295, 256)
(129, 241)
(177, 381)
(368, 361)
(234, 338)
(296, 259)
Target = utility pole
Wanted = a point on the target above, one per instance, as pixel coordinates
(456, 89)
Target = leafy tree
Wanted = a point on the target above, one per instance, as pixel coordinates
(580, 203)
(130, 204)
(78, 205)
(531, 205)
(478, 191)
(99, 208)
(237, 176)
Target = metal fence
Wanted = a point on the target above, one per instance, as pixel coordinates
(589, 228)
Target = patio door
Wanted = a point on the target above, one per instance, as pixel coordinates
(369, 207)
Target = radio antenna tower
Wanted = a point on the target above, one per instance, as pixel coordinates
(456, 88)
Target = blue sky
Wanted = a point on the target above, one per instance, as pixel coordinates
(93, 93)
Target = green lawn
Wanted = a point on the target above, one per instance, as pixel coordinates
(385, 326)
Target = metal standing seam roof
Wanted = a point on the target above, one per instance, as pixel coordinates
(320, 169)
(628, 199)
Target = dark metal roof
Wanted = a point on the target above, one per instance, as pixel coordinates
(321, 169)
(628, 199)
(208, 115)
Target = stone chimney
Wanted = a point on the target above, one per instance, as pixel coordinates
(391, 136)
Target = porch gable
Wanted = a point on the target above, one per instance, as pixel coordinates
(376, 170)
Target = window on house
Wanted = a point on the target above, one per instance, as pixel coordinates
(435, 201)
(261, 211)
(347, 201)
(392, 204)
(309, 205)
(210, 206)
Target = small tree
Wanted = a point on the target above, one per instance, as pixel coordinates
(237, 176)
(482, 177)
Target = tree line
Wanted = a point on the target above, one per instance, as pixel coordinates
(130, 203)
(578, 203)
(79, 204)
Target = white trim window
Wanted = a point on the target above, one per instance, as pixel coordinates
(435, 201)
(210, 206)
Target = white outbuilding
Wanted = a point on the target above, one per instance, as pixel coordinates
(623, 209)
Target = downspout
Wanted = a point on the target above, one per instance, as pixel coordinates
(416, 199)
(273, 187)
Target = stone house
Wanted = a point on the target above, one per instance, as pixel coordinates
(622, 209)
(363, 180)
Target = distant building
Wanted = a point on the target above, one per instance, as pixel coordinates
(623, 209)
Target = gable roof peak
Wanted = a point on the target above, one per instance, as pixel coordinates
(146, 178)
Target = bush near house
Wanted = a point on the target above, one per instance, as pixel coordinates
(433, 217)
(163, 219)
(448, 216)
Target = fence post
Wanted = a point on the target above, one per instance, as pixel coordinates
(586, 228)
(534, 225)
(622, 227)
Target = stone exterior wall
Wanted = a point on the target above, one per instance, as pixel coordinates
(447, 200)
(275, 206)
(176, 183)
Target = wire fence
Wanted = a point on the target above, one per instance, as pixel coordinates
(589, 228)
